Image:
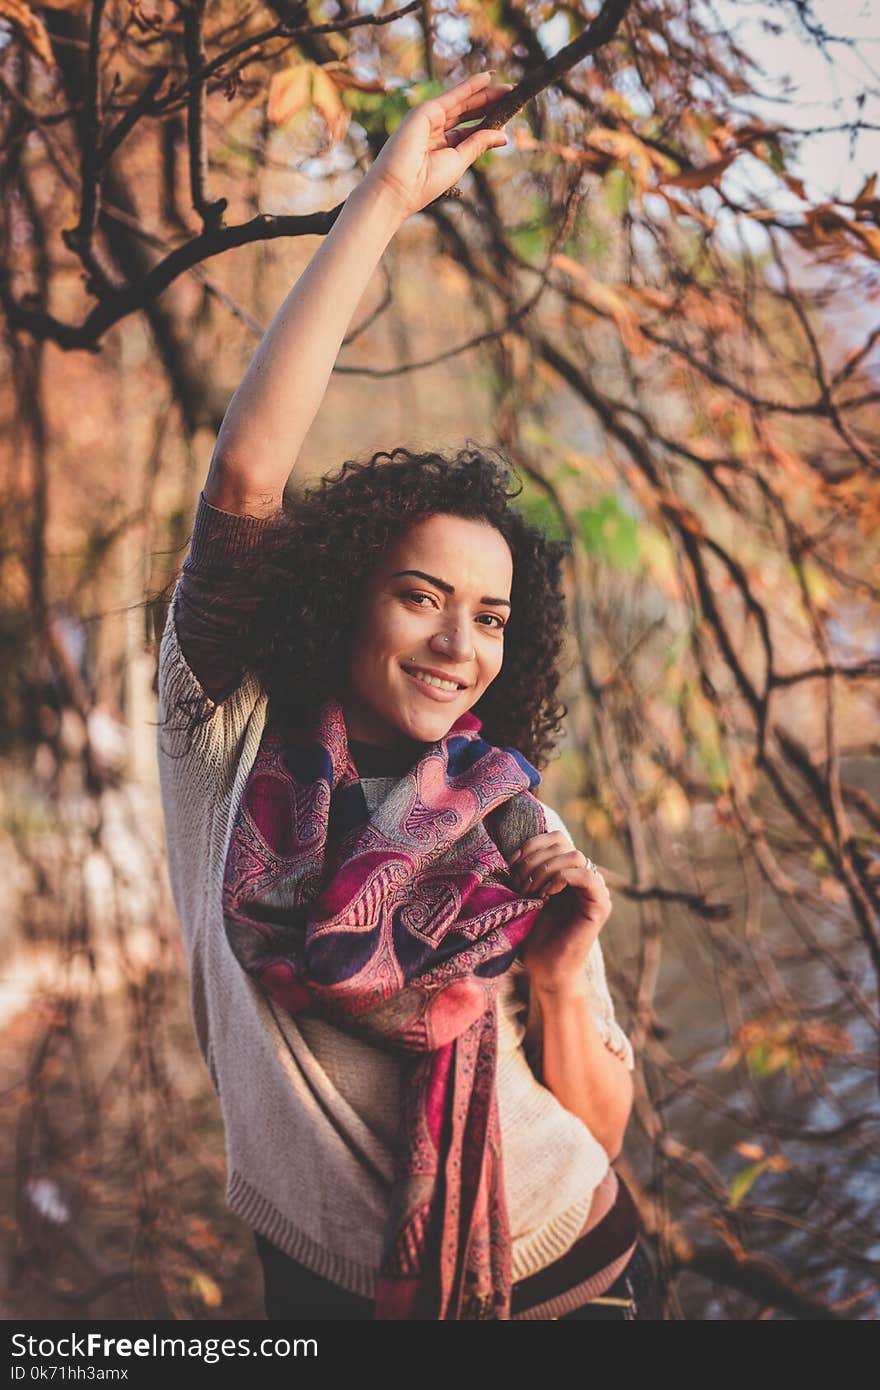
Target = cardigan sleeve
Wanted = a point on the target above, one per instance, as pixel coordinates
(208, 609)
(601, 1003)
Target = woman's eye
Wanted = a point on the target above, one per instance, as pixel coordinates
(497, 622)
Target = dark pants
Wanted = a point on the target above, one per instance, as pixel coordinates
(292, 1291)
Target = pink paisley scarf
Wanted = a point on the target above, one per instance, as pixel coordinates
(399, 924)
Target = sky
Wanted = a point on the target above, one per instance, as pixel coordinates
(804, 87)
(818, 92)
(822, 92)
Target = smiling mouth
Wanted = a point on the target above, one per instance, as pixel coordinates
(443, 685)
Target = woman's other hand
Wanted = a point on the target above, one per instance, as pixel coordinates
(577, 908)
(426, 154)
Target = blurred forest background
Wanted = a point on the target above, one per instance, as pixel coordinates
(660, 299)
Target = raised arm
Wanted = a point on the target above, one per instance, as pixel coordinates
(273, 408)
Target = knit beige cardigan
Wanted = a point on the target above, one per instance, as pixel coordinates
(310, 1113)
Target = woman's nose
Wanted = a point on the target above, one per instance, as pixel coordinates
(454, 641)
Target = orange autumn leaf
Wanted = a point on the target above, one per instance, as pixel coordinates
(303, 87)
(606, 298)
(797, 469)
(31, 28)
(686, 210)
(347, 80)
(600, 163)
(826, 230)
(202, 1236)
(752, 1151)
(706, 127)
(775, 1043)
(762, 214)
(604, 149)
(686, 518)
(648, 295)
(831, 889)
(645, 165)
(705, 174)
(866, 199)
(796, 185)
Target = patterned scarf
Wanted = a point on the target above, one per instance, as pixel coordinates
(397, 926)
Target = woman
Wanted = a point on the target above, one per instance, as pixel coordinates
(395, 971)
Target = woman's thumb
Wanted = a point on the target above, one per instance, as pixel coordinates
(479, 141)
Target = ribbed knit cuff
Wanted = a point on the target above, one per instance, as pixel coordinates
(217, 534)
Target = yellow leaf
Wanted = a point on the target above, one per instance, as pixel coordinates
(742, 1181)
(673, 807)
(290, 92)
(325, 96)
(204, 1287)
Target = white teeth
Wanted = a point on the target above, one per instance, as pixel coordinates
(434, 680)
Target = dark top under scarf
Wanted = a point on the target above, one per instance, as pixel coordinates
(374, 760)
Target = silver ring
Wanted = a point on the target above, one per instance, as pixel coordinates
(591, 866)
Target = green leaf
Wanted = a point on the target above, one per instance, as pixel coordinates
(743, 1180)
(537, 509)
(611, 532)
(758, 1059)
(530, 235)
(380, 113)
(395, 108)
(617, 191)
(775, 156)
(717, 768)
(529, 241)
(421, 91)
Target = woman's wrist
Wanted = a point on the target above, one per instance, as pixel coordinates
(561, 990)
(374, 199)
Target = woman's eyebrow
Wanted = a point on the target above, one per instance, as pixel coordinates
(447, 588)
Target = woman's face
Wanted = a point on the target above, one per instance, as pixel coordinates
(439, 599)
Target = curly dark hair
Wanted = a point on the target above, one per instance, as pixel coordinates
(302, 588)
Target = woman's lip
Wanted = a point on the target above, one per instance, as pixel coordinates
(432, 690)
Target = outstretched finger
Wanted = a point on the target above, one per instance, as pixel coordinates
(486, 96)
(454, 100)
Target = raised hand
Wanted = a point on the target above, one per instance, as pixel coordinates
(426, 154)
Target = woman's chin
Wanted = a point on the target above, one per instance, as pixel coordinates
(427, 728)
